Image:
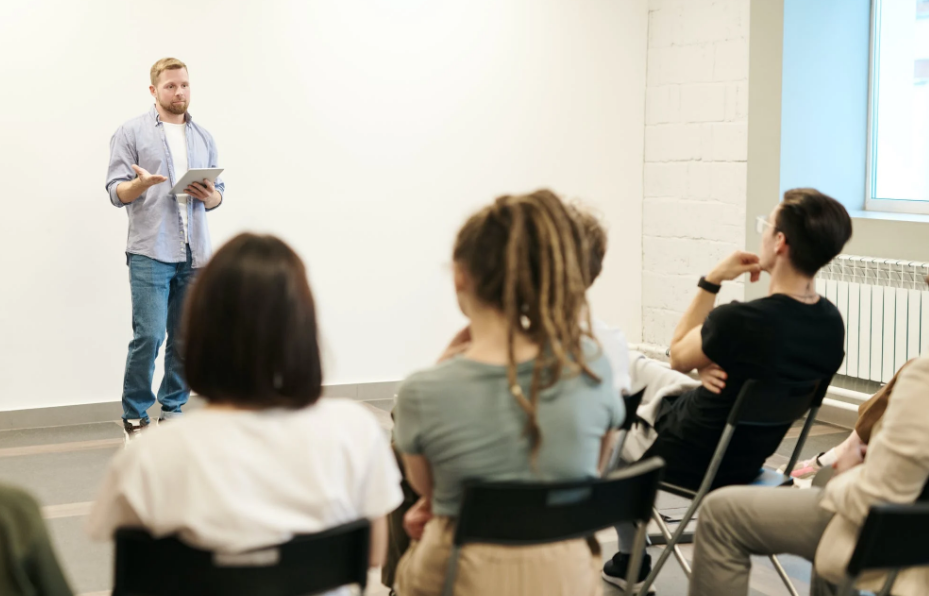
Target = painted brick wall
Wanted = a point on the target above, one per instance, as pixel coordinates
(696, 121)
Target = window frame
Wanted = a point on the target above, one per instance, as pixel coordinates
(873, 203)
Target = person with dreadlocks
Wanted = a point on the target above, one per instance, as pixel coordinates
(530, 398)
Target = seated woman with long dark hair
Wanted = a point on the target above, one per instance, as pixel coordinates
(267, 458)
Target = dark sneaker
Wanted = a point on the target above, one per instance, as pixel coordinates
(616, 569)
(132, 428)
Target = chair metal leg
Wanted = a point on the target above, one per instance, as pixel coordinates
(635, 562)
(801, 440)
(672, 540)
(451, 572)
(678, 553)
(848, 587)
(662, 527)
(659, 540)
(694, 504)
(616, 456)
(784, 577)
(889, 584)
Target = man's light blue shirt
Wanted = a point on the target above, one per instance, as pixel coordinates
(155, 226)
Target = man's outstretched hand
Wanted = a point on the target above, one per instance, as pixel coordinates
(147, 179)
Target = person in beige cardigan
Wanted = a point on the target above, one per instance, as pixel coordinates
(822, 525)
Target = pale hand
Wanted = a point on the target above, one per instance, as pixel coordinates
(146, 179)
(201, 190)
(850, 458)
(735, 265)
(713, 378)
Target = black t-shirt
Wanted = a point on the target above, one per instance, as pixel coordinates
(771, 338)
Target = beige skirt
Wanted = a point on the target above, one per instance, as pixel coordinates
(570, 568)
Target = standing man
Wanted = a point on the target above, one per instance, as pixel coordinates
(168, 234)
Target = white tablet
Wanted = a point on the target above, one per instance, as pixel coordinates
(196, 175)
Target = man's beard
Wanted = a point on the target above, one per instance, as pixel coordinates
(175, 108)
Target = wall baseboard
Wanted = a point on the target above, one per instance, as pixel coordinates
(839, 408)
(111, 411)
(838, 413)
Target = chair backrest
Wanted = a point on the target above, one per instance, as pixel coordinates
(776, 403)
(893, 537)
(763, 403)
(520, 514)
(632, 403)
(309, 564)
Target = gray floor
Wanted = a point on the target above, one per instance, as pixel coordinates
(63, 466)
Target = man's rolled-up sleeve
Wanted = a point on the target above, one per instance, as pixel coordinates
(122, 157)
(214, 163)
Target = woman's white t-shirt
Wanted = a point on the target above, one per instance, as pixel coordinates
(236, 480)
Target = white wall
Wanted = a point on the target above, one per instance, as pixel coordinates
(695, 152)
(396, 118)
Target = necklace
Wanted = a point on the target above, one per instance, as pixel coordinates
(803, 297)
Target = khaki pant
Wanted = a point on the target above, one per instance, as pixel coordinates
(741, 521)
(569, 568)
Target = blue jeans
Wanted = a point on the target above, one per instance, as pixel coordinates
(158, 291)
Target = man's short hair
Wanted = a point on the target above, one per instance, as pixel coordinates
(250, 329)
(589, 227)
(816, 227)
(163, 65)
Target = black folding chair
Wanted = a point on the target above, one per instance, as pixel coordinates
(524, 514)
(759, 404)
(892, 538)
(632, 403)
(309, 564)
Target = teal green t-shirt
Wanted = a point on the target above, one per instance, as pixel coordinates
(461, 416)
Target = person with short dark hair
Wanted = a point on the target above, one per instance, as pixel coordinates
(887, 463)
(792, 334)
(267, 458)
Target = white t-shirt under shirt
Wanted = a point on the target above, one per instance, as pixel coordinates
(177, 143)
(236, 480)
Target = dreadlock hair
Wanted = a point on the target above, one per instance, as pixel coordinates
(589, 228)
(524, 255)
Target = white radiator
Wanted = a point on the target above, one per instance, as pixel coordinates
(885, 306)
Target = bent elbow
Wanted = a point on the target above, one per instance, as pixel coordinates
(677, 364)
